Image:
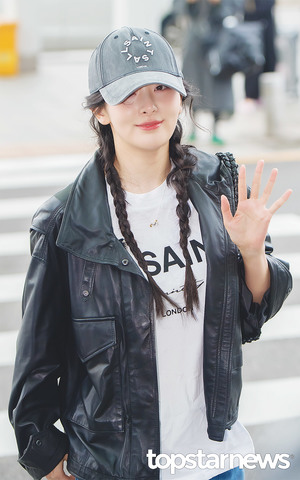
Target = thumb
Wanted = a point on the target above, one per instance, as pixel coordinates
(225, 208)
(58, 472)
(68, 476)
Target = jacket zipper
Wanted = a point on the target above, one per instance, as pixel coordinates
(125, 401)
(214, 402)
(153, 355)
(126, 444)
(154, 360)
(216, 387)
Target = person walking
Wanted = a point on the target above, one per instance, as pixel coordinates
(143, 284)
(262, 11)
(215, 92)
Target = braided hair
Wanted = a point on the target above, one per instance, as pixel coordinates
(183, 163)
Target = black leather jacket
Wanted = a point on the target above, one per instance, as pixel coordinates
(86, 350)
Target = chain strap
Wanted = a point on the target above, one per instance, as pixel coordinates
(229, 161)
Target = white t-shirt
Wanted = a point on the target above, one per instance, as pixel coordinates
(179, 336)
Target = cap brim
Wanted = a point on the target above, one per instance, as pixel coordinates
(119, 90)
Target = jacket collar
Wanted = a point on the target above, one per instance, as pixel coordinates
(86, 230)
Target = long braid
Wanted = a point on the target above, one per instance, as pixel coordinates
(184, 163)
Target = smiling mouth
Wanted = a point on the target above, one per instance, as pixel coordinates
(150, 125)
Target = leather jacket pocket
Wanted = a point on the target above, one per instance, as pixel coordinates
(93, 336)
(98, 406)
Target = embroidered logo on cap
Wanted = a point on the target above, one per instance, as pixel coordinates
(130, 46)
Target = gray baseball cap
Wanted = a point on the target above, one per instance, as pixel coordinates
(131, 58)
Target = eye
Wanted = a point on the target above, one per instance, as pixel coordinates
(161, 88)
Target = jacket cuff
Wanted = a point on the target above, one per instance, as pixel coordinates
(282, 282)
(253, 314)
(44, 451)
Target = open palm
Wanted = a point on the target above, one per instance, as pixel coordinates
(249, 226)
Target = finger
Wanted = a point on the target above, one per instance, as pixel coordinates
(65, 468)
(257, 179)
(225, 208)
(278, 203)
(269, 187)
(242, 186)
(59, 473)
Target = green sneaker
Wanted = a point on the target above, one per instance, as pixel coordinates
(217, 140)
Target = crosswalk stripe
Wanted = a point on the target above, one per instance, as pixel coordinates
(294, 260)
(8, 446)
(8, 348)
(24, 207)
(285, 225)
(255, 407)
(268, 401)
(11, 287)
(284, 325)
(16, 243)
(37, 179)
(47, 162)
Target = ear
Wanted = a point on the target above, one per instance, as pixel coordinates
(102, 115)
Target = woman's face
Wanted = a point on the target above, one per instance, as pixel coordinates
(146, 120)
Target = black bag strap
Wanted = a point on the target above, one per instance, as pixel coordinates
(229, 161)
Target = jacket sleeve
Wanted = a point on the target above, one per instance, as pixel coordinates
(254, 315)
(34, 404)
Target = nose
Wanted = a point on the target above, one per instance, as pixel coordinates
(147, 101)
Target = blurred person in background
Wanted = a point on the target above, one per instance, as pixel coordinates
(263, 11)
(172, 18)
(216, 94)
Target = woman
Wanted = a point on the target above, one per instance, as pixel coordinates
(216, 94)
(134, 311)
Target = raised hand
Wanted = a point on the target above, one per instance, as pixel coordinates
(249, 226)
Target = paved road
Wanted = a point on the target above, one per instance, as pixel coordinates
(270, 406)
